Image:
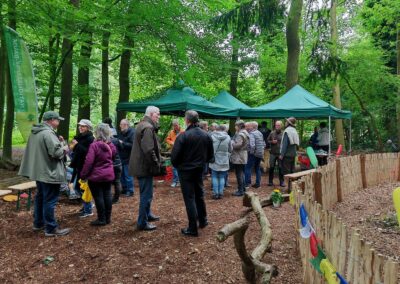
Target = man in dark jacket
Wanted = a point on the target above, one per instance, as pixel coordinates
(43, 162)
(192, 149)
(124, 150)
(144, 163)
(275, 139)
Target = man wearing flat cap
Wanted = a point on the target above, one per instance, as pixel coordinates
(289, 144)
(43, 162)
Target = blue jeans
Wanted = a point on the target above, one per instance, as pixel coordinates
(218, 182)
(126, 179)
(175, 175)
(87, 206)
(226, 178)
(45, 202)
(252, 162)
(146, 196)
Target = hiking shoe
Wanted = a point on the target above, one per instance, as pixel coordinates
(58, 232)
(238, 193)
(174, 184)
(84, 215)
(270, 184)
(255, 186)
(73, 196)
(115, 201)
(37, 229)
(282, 184)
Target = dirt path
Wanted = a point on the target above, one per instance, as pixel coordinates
(118, 253)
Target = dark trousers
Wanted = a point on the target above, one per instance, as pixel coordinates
(117, 182)
(273, 160)
(287, 164)
(146, 196)
(253, 162)
(323, 160)
(239, 171)
(193, 195)
(102, 196)
(45, 202)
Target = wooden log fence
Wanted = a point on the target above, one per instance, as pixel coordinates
(351, 255)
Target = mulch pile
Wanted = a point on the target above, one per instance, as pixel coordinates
(372, 212)
(118, 253)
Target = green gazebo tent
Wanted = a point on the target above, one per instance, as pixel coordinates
(299, 103)
(177, 100)
(226, 99)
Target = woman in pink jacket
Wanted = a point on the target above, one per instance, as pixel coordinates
(99, 171)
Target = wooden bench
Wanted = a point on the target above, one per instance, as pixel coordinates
(24, 187)
(295, 176)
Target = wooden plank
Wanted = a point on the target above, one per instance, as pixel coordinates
(299, 174)
(5, 192)
(317, 187)
(363, 174)
(390, 269)
(377, 267)
(23, 186)
(368, 263)
(338, 181)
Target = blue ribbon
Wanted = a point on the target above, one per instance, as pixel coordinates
(303, 215)
(342, 280)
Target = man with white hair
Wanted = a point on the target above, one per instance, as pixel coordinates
(124, 147)
(256, 154)
(145, 163)
(170, 140)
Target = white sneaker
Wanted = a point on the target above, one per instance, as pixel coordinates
(174, 184)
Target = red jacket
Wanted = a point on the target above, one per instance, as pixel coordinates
(98, 165)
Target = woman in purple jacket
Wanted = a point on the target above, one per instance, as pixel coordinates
(99, 171)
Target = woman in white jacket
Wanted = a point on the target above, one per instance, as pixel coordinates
(222, 149)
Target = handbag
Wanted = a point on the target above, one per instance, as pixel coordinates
(87, 194)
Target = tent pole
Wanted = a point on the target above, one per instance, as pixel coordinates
(329, 152)
(350, 139)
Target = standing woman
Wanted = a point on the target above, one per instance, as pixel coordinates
(80, 146)
(99, 171)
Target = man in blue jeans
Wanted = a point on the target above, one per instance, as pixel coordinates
(144, 163)
(43, 162)
(255, 153)
(124, 148)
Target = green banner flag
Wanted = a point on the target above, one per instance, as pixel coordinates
(22, 82)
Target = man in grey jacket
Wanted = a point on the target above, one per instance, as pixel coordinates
(290, 142)
(43, 162)
(256, 154)
(239, 155)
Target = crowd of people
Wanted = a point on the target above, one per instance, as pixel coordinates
(103, 159)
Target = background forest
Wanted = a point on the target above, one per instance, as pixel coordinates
(88, 55)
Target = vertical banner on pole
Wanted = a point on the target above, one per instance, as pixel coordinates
(22, 81)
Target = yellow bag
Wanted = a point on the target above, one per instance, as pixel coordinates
(87, 195)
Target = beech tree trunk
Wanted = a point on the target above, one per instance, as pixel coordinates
(54, 45)
(234, 76)
(124, 76)
(293, 43)
(2, 75)
(398, 75)
(9, 121)
(66, 88)
(83, 78)
(105, 88)
(336, 85)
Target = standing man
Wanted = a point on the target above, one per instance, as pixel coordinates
(124, 150)
(290, 142)
(239, 155)
(324, 139)
(170, 140)
(144, 163)
(43, 162)
(191, 151)
(275, 139)
(265, 131)
(256, 154)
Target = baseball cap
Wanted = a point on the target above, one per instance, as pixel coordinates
(48, 115)
(86, 122)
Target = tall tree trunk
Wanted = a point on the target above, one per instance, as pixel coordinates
(9, 122)
(336, 79)
(2, 75)
(293, 43)
(83, 77)
(398, 74)
(234, 75)
(66, 88)
(124, 75)
(54, 44)
(105, 88)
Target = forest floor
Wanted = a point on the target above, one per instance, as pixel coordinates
(118, 253)
(371, 211)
